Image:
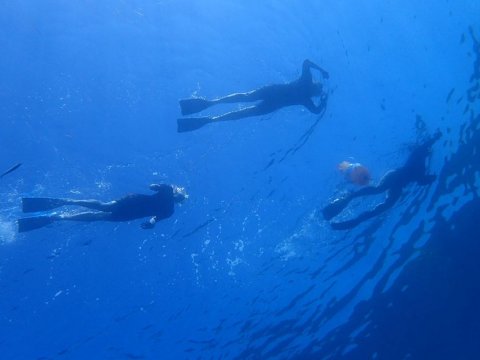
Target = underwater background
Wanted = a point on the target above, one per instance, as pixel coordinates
(246, 268)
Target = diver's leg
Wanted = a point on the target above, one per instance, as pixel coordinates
(350, 224)
(336, 206)
(264, 93)
(91, 204)
(390, 179)
(254, 95)
(256, 110)
(85, 216)
(195, 105)
(190, 124)
(235, 115)
(391, 199)
(387, 182)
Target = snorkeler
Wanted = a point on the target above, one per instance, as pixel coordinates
(392, 183)
(157, 206)
(271, 98)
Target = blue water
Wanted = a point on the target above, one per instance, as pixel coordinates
(246, 268)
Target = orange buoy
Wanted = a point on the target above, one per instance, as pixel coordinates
(355, 173)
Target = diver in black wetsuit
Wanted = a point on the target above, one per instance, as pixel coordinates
(271, 98)
(157, 206)
(392, 182)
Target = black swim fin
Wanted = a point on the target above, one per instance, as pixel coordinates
(32, 223)
(190, 124)
(192, 106)
(334, 208)
(344, 225)
(41, 204)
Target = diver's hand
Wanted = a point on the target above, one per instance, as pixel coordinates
(149, 224)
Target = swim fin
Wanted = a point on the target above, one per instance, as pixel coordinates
(190, 124)
(32, 223)
(41, 204)
(192, 106)
(344, 225)
(334, 208)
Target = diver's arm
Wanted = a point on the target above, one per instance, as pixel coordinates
(307, 65)
(150, 223)
(158, 187)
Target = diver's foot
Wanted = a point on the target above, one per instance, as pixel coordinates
(334, 208)
(191, 124)
(194, 105)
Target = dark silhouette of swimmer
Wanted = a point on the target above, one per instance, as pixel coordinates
(393, 182)
(157, 206)
(270, 98)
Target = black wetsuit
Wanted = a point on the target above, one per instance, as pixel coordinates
(392, 182)
(136, 206)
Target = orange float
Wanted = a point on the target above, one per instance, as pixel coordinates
(355, 173)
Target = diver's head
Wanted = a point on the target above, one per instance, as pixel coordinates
(179, 194)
